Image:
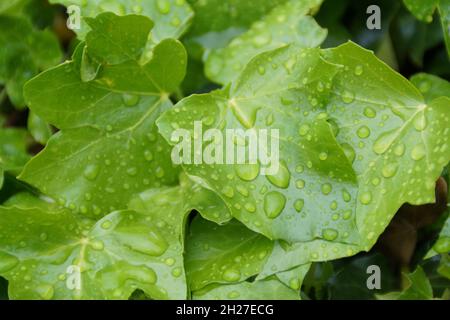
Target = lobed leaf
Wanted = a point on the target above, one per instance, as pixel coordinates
(61, 255)
(108, 148)
(431, 86)
(383, 124)
(400, 143)
(279, 205)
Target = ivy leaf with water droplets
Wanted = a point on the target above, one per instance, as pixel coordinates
(424, 10)
(49, 254)
(287, 23)
(24, 51)
(383, 122)
(13, 151)
(186, 197)
(223, 254)
(108, 148)
(171, 17)
(400, 142)
(431, 86)
(270, 289)
(309, 196)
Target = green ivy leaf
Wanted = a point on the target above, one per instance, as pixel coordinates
(431, 86)
(223, 254)
(314, 182)
(419, 288)
(187, 196)
(380, 119)
(400, 143)
(65, 256)
(24, 51)
(108, 148)
(288, 23)
(171, 17)
(270, 289)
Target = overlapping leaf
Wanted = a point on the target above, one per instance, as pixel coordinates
(171, 17)
(400, 143)
(187, 196)
(227, 254)
(309, 197)
(50, 253)
(382, 121)
(391, 135)
(108, 148)
(287, 23)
